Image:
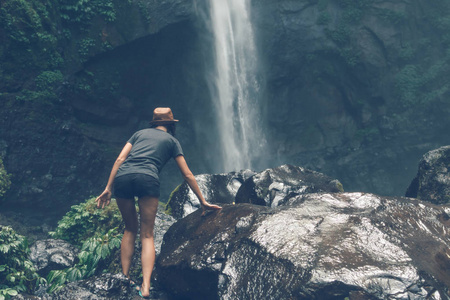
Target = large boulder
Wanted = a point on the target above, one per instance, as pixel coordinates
(274, 186)
(218, 189)
(319, 246)
(432, 182)
(51, 254)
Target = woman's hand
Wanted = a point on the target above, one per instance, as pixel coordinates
(207, 206)
(104, 199)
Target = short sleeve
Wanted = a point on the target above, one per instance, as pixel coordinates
(133, 138)
(177, 150)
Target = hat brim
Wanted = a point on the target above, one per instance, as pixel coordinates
(163, 122)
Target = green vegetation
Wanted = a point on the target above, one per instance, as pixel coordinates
(85, 46)
(341, 34)
(97, 232)
(40, 38)
(17, 273)
(422, 80)
(417, 85)
(391, 16)
(85, 220)
(96, 254)
(30, 40)
(81, 12)
(5, 179)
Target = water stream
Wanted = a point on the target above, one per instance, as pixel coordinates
(235, 86)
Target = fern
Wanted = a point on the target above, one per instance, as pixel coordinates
(95, 252)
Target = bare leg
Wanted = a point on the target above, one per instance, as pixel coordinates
(128, 210)
(148, 207)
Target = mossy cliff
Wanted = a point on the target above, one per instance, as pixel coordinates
(61, 123)
(356, 89)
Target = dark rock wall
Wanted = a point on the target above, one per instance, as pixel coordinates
(347, 93)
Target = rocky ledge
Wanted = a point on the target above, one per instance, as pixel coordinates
(316, 246)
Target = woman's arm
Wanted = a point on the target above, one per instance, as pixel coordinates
(105, 198)
(190, 179)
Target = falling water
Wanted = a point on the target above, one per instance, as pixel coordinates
(235, 84)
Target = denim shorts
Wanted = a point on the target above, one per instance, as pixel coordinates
(135, 185)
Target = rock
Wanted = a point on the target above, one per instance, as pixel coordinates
(25, 297)
(318, 246)
(162, 224)
(217, 189)
(106, 286)
(52, 254)
(273, 186)
(432, 182)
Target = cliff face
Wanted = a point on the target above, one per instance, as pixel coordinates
(354, 89)
(77, 79)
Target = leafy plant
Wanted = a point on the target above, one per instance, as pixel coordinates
(29, 40)
(17, 273)
(85, 220)
(46, 83)
(81, 12)
(85, 46)
(5, 179)
(96, 253)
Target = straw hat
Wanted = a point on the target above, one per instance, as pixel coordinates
(162, 116)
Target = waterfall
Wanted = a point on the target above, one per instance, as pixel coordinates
(235, 84)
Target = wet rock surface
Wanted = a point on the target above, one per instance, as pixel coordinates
(106, 286)
(162, 224)
(51, 254)
(316, 246)
(217, 189)
(273, 187)
(432, 182)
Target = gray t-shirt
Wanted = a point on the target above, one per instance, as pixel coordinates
(151, 150)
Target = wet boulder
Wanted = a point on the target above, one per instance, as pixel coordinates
(217, 189)
(317, 246)
(432, 182)
(51, 254)
(274, 186)
(106, 286)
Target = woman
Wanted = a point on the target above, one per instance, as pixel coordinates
(135, 173)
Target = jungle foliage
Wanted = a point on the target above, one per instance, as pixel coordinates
(17, 273)
(96, 254)
(85, 220)
(97, 232)
(5, 179)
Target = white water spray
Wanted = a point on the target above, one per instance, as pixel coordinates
(235, 84)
